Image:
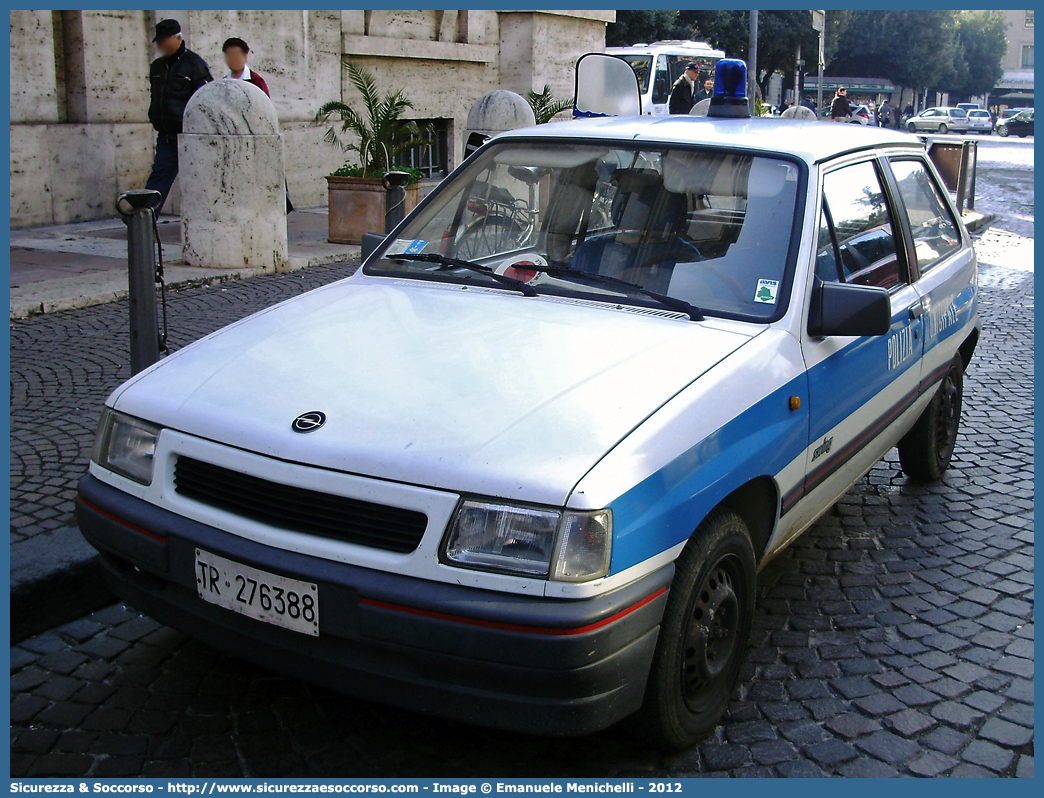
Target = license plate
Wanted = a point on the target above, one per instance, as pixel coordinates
(278, 600)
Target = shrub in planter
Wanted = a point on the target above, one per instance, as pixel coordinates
(375, 136)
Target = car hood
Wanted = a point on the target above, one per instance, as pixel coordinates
(470, 390)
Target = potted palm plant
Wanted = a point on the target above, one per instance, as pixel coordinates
(374, 137)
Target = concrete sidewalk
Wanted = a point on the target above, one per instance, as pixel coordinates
(79, 265)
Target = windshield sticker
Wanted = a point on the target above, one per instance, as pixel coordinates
(766, 292)
(403, 246)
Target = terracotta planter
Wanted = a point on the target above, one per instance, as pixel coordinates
(357, 206)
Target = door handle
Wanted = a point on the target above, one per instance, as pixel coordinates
(916, 310)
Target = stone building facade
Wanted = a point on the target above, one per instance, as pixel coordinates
(80, 93)
(1015, 89)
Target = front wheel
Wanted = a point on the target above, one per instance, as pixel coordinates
(943, 129)
(1003, 131)
(912, 127)
(925, 451)
(703, 634)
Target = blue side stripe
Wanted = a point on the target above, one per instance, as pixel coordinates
(658, 513)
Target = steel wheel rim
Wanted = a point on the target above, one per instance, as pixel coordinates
(949, 411)
(711, 634)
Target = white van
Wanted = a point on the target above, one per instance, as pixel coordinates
(664, 62)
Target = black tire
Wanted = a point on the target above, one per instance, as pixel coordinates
(1003, 131)
(696, 665)
(1022, 135)
(943, 129)
(912, 127)
(925, 451)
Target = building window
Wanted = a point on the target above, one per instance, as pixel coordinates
(432, 159)
(1029, 19)
(1027, 56)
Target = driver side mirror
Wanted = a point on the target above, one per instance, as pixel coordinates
(846, 309)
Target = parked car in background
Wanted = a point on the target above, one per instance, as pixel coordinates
(1008, 113)
(1020, 125)
(863, 115)
(940, 119)
(969, 106)
(980, 121)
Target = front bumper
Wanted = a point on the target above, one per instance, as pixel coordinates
(524, 663)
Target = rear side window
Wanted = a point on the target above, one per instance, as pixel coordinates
(935, 233)
(859, 238)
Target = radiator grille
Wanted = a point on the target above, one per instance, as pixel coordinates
(299, 509)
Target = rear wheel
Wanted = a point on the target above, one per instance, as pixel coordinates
(703, 634)
(925, 451)
(943, 128)
(1003, 131)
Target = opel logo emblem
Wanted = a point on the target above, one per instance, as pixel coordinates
(307, 422)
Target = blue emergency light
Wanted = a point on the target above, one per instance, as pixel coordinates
(730, 89)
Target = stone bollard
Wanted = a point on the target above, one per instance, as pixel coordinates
(798, 112)
(496, 112)
(233, 199)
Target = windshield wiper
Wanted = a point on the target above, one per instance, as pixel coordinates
(693, 312)
(456, 263)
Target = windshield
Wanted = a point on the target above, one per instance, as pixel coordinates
(641, 65)
(710, 227)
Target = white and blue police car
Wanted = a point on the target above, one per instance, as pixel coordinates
(522, 469)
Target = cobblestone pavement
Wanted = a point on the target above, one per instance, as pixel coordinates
(894, 637)
(64, 365)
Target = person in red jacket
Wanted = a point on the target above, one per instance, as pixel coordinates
(236, 51)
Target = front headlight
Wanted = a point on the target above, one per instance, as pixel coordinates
(126, 445)
(563, 545)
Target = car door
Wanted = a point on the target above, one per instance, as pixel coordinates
(858, 386)
(943, 260)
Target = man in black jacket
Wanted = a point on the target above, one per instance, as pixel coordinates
(174, 77)
(683, 90)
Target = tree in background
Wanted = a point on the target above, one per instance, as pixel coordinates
(632, 27)
(779, 34)
(931, 49)
(982, 36)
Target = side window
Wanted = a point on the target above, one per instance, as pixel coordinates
(935, 233)
(661, 81)
(856, 214)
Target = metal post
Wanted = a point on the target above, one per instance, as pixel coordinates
(974, 163)
(797, 78)
(394, 183)
(966, 176)
(752, 60)
(819, 24)
(137, 207)
(822, 34)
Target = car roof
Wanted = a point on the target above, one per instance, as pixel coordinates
(809, 140)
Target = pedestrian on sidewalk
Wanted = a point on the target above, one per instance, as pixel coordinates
(884, 116)
(707, 92)
(684, 88)
(173, 77)
(840, 109)
(236, 52)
